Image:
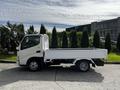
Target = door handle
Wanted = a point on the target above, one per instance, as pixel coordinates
(38, 51)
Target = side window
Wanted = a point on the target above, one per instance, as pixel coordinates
(30, 41)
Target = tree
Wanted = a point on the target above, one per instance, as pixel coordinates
(73, 39)
(108, 43)
(96, 40)
(20, 32)
(59, 36)
(13, 42)
(9, 37)
(118, 43)
(42, 29)
(84, 40)
(54, 42)
(79, 34)
(31, 30)
(64, 40)
(4, 37)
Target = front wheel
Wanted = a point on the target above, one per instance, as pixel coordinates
(83, 66)
(33, 65)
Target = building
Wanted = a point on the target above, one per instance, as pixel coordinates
(0, 39)
(80, 28)
(111, 26)
(107, 26)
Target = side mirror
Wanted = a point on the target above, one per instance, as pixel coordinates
(17, 48)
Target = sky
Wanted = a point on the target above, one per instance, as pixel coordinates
(59, 13)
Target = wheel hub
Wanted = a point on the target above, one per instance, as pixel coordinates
(83, 66)
(33, 65)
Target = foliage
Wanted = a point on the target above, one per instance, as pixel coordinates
(108, 43)
(42, 29)
(5, 34)
(79, 35)
(54, 40)
(59, 36)
(64, 40)
(31, 30)
(118, 43)
(96, 40)
(73, 39)
(11, 34)
(21, 32)
(85, 40)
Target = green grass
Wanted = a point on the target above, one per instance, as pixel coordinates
(8, 57)
(113, 57)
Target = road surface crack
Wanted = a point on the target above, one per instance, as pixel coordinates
(56, 72)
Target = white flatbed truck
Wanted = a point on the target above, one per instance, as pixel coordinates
(34, 52)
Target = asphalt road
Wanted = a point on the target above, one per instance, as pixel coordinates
(13, 77)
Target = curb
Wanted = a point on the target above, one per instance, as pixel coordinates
(112, 62)
(6, 61)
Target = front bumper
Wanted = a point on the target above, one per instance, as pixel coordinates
(18, 61)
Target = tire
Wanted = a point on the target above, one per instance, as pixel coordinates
(83, 66)
(33, 65)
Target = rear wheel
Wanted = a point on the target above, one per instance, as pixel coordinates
(83, 66)
(33, 65)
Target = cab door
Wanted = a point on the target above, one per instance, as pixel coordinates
(30, 46)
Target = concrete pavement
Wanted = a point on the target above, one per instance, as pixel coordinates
(13, 77)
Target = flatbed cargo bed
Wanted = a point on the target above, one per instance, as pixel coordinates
(71, 53)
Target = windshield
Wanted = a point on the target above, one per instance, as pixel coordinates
(30, 41)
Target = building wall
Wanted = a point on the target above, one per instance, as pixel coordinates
(103, 27)
(80, 28)
(109, 26)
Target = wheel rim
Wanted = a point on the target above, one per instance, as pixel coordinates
(33, 65)
(84, 66)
